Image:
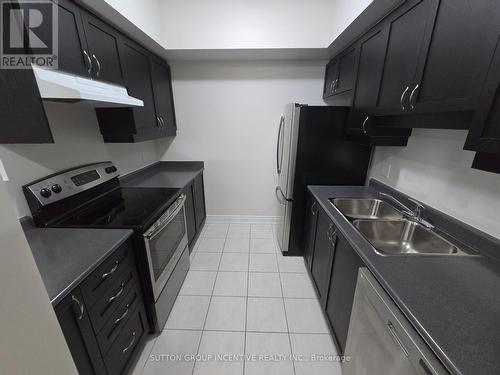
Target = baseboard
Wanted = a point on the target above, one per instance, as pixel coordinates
(242, 219)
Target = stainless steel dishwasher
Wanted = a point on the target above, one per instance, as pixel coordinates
(380, 339)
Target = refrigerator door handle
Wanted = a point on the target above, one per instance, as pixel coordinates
(279, 158)
(281, 197)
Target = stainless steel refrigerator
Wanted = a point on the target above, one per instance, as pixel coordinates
(312, 149)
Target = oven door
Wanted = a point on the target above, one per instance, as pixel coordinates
(164, 241)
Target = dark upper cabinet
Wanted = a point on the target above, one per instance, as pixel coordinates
(460, 51)
(331, 73)
(324, 246)
(22, 114)
(134, 123)
(136, 62)
(104, 49)
(339, 73)
(77, 329)
(73, 54)
(163, 95)
(199, 201)
(361, 126)
(437, 56)
(484, 135)
(409, 32)
(310, 229)
(346, 65)
(342, 285)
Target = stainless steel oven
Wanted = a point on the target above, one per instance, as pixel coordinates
(165, 242)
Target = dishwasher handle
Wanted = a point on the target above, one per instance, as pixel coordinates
(371, 295)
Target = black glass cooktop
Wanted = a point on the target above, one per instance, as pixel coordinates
(134, 208)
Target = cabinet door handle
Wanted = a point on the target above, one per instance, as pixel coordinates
(313, 208)
(158, 123)
(412, 96)
(118, 320)
(337, 84)
(111, 299)
(402, 98)
(98, 65)
(88, 62)
(162, 122)
(364, 125)
(129, 345)
(111, 271)
(81, 308)
(329, 232)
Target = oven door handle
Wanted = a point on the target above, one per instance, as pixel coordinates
(150, 234)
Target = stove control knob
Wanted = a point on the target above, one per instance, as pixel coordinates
(45, 193)
(56, 188)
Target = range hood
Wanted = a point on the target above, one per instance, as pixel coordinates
(58, 86)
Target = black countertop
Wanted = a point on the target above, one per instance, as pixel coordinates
(66, 256)
(452, 301)
(170, 174)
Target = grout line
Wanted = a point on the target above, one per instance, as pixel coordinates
(208, 309)
(149, 354)
(246, 306)
(286, 319)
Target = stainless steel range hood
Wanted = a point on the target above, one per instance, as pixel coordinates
(58, 86)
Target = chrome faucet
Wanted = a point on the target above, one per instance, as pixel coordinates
(414, 215)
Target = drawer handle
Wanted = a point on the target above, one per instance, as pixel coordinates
(80, 307)
(129, 345)
(123, 315)
(397, 339)
(111, 271)
(111, 299)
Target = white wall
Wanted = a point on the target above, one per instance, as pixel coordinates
(228, 115)
(241, 24)
(435, 169)
(32, 341)
(144, 13)
(221, 24)
(77, 141)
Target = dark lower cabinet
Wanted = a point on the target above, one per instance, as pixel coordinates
(484, 134)
(333, 265)
(342, 284)
(195, 209)
(190, 215)
(199, 201)
(104, 319)
(324, 247)
(310, 229)
(73, 317)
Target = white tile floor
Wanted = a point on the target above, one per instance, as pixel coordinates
(242, 298)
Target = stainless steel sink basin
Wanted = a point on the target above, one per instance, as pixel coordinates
(404, 237)
(366, 209)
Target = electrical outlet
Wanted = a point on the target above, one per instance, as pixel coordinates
(3, 172)
(386, 170)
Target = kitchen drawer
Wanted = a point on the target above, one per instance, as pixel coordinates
(105, 307)
(99, 281)
(125, 344)
(118, 320)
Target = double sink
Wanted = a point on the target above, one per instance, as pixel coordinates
(392, 232)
